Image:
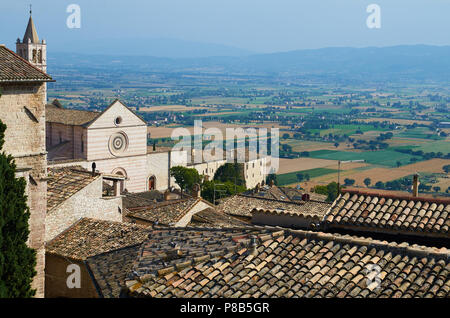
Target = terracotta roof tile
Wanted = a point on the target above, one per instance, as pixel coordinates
(212, 218)
(414, 215)
(165, 213)
(13, 68)
(142, 199)
(293, 264)
(89, 237)
(111, 268)
(242, 205)
(287, 194)
(65, 182)
(54, 114)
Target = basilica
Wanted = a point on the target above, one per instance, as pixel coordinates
(67, 155)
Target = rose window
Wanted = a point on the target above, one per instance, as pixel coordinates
(118, 143)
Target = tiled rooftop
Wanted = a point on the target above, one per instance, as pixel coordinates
(66, 116)
(307, 209)
(242, 205)
(420, 216)
(13, 68)
(110, 269)
(89, 237)
(212, 218)
(65, 182)
(165, 213)
(142, 199)
(288, 194)
(284, 263)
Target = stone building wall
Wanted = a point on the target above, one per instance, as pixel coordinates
(254, 172)
(85, 203)
(22, 110)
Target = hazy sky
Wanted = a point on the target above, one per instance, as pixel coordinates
(255, 25)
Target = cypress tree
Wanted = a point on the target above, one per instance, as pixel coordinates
(17, 260)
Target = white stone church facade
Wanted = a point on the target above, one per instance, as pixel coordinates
(116, 141)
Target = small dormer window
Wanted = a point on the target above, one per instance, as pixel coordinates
(118, 120)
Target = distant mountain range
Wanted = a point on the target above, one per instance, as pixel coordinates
(163, 47)
(408, 63)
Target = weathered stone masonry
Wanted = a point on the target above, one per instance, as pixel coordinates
(22, 110)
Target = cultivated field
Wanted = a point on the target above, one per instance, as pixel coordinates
(171, 108)
(300, 164)
(359, 173)
(166, 131)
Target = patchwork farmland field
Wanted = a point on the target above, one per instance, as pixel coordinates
(289, 178)
(381, 157)
(301, 164)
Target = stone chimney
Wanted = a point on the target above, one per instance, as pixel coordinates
(196, 190)
(271, 183)
(253, 245)
(257, 188)
(166, 195)
(415, 185)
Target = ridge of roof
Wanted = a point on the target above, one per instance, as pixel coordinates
(64, 196)
(287, 213)
(110, 105)
(39, 75)
(396, 196)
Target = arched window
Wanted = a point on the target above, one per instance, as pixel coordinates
(34, 56)
(39, 56)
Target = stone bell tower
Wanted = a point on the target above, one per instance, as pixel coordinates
(31, 49)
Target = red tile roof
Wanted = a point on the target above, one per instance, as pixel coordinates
(14, 69)
(64, 182)
(267, 262)
(90, 237)
(415, 215)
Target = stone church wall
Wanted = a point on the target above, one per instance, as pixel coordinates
(86, 203)
(22, 110)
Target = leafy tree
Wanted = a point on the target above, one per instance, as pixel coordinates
(446, 168)
(333, 191)
(17, 260)
(379, 185)
(436, 189)
(303, 176)
(185, 177)
(272, 177)
(330, 190)
(399, 164)
(226, 189)
(367, 181)
(232, 172)
(349, 182)
(336, 144)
